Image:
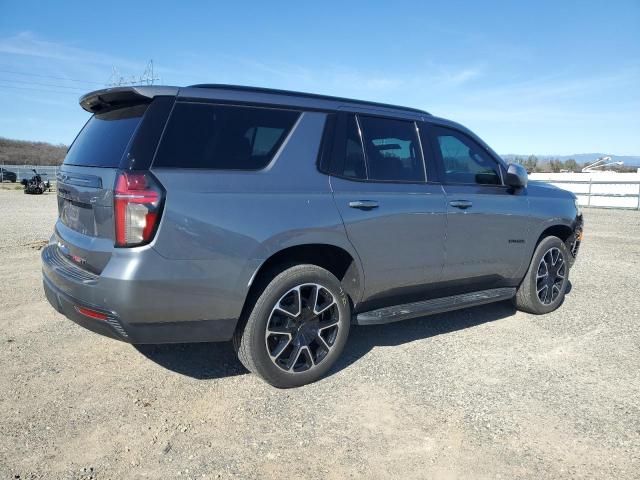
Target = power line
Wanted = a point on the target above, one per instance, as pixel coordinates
(22, 82)
(40, 90)
(28, 74)
(147, 78)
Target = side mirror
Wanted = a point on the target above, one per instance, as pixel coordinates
(517, 176)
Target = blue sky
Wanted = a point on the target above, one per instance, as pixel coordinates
(529, 77)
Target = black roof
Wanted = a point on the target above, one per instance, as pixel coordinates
(243, 88)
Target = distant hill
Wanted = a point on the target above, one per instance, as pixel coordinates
(582, 158)
(19, 152)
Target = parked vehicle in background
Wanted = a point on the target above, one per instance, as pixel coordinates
(7, 176)
(36, 184)
(277, 219)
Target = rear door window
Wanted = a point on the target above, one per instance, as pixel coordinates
(392, 150)
(104, 139)
(223, 137)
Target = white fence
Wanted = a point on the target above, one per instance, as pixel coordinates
(601, 189)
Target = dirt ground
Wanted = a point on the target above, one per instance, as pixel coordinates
(480, 393)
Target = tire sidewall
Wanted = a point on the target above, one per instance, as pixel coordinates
(541, 250)
(260, 315)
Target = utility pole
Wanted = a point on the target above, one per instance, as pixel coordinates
(147, 78)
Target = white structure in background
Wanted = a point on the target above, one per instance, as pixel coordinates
(600, 163)
(598, 188)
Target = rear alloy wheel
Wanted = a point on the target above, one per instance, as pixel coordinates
(302, 328)
(297, 328)
(545, 283)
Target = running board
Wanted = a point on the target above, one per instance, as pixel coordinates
(397, 313)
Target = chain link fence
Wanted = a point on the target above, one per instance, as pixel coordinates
(48, 172)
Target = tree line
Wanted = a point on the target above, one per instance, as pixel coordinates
(19, 152)
(555, 165)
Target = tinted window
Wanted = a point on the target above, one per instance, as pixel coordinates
(223, 137)
(464, 160)
(351, 162)
(105, 137)
(392, 149)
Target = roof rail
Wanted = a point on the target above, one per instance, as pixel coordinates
(244, 88)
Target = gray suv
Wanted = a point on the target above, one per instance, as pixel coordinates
(277, 219)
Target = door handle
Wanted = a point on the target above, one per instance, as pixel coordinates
(364, 204)
(462, 204)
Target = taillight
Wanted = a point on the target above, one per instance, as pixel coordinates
(137, 207)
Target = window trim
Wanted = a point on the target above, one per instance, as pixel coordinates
(431, 131)
(233, 170)
(324, 157)
(424, 163)
(328, 167)
(434, 173)
(337, 131)
(364, 150)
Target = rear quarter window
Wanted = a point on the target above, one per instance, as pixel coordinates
(223, 137)
(104, 139)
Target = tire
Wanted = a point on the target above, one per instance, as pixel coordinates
(543, 288)
(297, 327)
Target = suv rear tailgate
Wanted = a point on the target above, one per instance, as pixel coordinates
(85, 229)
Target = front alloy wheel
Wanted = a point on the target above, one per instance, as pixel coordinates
(550, 276)
(544, 286)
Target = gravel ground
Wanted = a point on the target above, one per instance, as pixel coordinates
(481, 393)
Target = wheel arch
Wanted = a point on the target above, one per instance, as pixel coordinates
(345, 265)
(560, 230)
(552, 227)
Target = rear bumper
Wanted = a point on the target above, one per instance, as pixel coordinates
(67, 306)
(135, 310)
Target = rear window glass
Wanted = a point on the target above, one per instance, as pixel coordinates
(105, 137)
(392, 149)
(223, 137)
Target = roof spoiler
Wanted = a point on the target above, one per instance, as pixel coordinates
(108, 99)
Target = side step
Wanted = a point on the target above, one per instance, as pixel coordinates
(397, 313)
